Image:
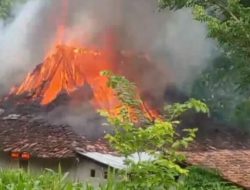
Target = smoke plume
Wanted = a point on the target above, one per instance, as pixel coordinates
(173, 41)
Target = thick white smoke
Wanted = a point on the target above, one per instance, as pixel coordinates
(15, 56)
(174, 41)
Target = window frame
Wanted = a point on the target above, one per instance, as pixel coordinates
(92, 173)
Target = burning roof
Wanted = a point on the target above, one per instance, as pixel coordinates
(67, 69)
(70, 72)
(75, 72)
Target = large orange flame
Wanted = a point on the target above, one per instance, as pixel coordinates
(69, 68)
(66, 70)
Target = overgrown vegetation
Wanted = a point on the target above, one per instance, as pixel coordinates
(228, 22)
(224, 85)
(6, 6)
(21, 180)
(203, 179)
(198, 179)
(135, 131)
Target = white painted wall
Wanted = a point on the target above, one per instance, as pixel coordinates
(6, 162)
(82, 172)
(79, 169)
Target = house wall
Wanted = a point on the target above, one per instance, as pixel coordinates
(37, 165)
(6, 162)
(82, 171)
(79, 168)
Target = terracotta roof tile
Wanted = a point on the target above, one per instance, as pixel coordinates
(234, 165)
(44, 140)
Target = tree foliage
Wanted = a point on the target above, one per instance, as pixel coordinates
(224, 85)
(218, 88)
(228, 22)
(6, 6)
(157, 138)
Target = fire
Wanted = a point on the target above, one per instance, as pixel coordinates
(67, 70)
(71, 67)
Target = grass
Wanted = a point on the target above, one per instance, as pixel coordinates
(204, 179)
(198, 179)
(48, 180)
(20, 180)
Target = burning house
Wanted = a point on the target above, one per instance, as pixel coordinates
(50, 116)
(51, 119)
(33, 144)
(30, 143)
(68, 77)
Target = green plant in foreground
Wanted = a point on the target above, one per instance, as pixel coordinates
(198, 179)
(156, 137)
(204, 179)
(48, 180)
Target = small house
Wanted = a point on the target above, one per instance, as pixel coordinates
(35, 145)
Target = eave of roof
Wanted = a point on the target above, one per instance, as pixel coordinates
(115, 161)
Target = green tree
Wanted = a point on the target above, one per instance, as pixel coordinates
(224, 85)
(218, 88)
(228, 22)
(158, 138)
(6, 6)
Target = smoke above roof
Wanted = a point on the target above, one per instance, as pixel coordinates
(175, 42)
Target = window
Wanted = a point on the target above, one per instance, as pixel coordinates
(23, 164)
(105, 175)
(92, 173)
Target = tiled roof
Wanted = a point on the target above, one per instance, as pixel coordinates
(44, 140)
(233, 165)
(225, 149)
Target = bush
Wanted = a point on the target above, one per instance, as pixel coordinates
(136, 131)
(49, 180)
(198, 179)
(203, 179)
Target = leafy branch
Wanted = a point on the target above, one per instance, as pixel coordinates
(157, 139)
